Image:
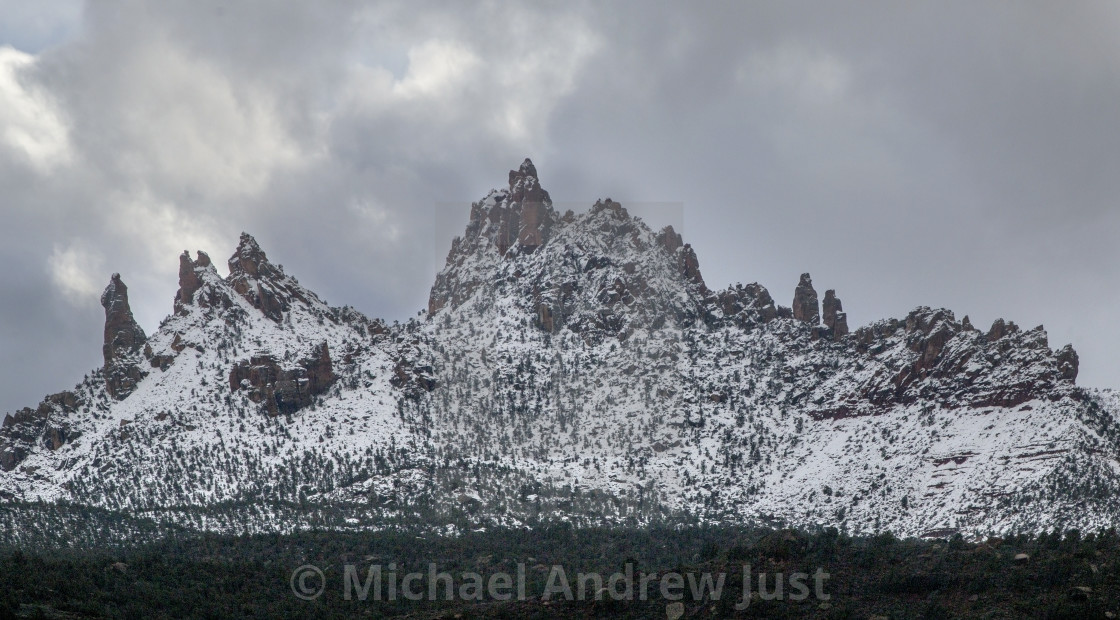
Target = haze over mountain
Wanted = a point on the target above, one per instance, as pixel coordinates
(570, 366)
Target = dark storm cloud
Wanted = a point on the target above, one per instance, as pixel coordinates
(959, 155)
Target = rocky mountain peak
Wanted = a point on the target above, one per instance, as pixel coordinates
(520, 217)
(250, 260)
(1001, 328)
(514, 221)
(670, 239)
(189, 281)
(747, 306)
(261, 283)
(525, 172)
(193, 276)
(601, 273)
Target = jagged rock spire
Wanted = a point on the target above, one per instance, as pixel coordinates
(1067, 363)
(250, 260)
(123, 335)
(263, 284)
(249, 271)
(191, 281)
(123, 340)
(805, 305)
(834, 316)
(529, 217)
(520, 216)
(518, 219)
(527, 169)
(687, 262)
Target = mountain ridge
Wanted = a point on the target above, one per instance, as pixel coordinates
(573, 367)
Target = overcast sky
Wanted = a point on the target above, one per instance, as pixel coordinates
(964, 155)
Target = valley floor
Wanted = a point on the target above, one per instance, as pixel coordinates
(1068, 575)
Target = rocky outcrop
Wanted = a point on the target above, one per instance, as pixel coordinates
(600, 274)
(930, 357)
(1001, 328)
(834, 316)
(123, 335)
(805, 305)
(283, 390)
(1067, 363)
(589, 340)
(516, 220)
(530, 208)
(261, 283)
(193, 288)
(545, 318)
(412, 377)
(670, 239)
(687, 263)
(747, 306)
(521, 217)
(47, 425)
(189, 282)
(124, 340)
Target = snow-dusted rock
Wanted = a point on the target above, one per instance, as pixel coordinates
(572, 367)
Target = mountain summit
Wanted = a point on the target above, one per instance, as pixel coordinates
(570, 367)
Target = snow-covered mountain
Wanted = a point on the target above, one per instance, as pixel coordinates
(570, 366)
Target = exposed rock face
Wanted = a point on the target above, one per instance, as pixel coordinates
(1001, 328)
(589, 337)
(523, 217)
(46, 426)
(601, 274)
(192, 285)
(517, 220)
(834, 316)
(260, 282)
(805, 305)
(189, 282)
(283, 390)
(530, 209)
(123, 335)
(545, 317)
(687, 263)
(747, 305)
(123, 340)
(930, 357)
(1067, 363)
(412, 378)
(670, 239)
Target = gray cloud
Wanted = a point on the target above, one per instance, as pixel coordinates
(950, 154)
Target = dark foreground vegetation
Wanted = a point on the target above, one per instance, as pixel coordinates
(1066, 575)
